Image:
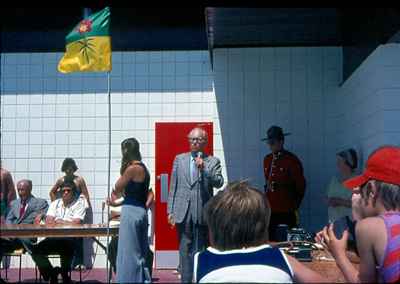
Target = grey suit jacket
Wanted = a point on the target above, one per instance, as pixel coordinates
(35, 207)
(185, 195)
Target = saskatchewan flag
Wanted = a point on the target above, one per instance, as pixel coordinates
(88, 45)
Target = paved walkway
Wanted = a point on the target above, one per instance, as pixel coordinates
(96, 275)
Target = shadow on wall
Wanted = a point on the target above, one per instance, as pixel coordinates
(166, 71)
(259, 87)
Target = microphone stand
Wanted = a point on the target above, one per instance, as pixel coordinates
(197, 225)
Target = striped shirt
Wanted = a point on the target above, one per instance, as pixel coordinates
(390, 268)
(258, 264)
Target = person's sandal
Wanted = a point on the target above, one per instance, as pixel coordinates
(81, 266)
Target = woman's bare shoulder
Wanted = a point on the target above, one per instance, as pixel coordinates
(79, 179)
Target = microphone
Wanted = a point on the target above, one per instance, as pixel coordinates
(199, 156)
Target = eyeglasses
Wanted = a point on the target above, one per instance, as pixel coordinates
(195, 139)
(66, 190)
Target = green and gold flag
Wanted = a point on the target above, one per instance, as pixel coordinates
(88, 45)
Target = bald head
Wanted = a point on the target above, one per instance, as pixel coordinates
(198, 132)
(198, 139)
(24, 188)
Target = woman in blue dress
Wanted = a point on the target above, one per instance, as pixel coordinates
(133, 184)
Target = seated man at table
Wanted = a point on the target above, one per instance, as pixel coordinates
(376, 200)
(238, 219)
(27, 209)
(67, 210)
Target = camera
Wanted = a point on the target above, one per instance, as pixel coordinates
(342, 224)
(298, 235)
(302, 244)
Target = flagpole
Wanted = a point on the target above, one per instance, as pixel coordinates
(86, 14)
(66, 65)
(109, 172)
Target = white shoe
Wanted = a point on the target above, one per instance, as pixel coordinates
(81, 266)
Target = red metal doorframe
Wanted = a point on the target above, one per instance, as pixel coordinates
(171, 139)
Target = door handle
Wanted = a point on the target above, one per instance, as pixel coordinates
(164, 187)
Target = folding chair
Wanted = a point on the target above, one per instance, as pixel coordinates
(17, 253)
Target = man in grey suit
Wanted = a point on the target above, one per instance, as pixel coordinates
(27, 209)
(194, 175)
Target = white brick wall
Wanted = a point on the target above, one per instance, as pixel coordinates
(366, 112)
(47, 116)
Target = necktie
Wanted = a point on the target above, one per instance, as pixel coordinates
(22, 209)
(193, 170)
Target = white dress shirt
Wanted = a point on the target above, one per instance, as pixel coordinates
(75, 210)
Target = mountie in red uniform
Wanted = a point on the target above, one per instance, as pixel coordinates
(285, 183)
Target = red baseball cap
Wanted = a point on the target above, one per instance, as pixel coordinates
(383, 165)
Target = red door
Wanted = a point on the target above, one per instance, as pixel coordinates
(171, 139)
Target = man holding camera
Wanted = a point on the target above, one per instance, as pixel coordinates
(285, 182)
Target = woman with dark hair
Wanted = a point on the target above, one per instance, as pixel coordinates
(338, 197)
(133, 245)
(69, 167)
